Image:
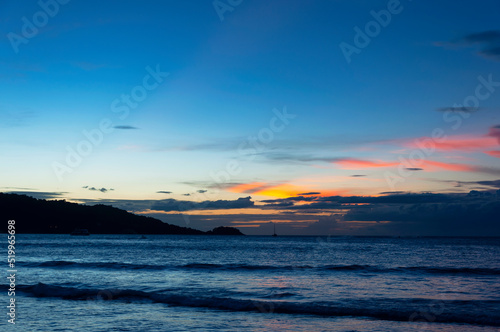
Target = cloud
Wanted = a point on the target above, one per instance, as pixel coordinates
(103, 190)
(465, 216)
(186, 194)
(201, 191)
(425, 165)
(495, 154)
(281, 190)
(249, 188)
(175, 205)
(487, 42)
(493, 53)
(163, 192)
(393, 213)
(393, 192)
(462, 109)
(491, 36)
(310, 193)
(495, 132)
(38, 194)
(457, 142)
(125, 127)
(431, 165)
(357, 175)
(352, 163)
(492, 183)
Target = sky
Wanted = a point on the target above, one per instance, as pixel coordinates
(322, 117)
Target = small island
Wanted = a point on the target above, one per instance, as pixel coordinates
(39, 216)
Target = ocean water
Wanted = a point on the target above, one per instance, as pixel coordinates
(230, 283)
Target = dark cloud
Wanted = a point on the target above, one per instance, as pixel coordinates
(473, 218)
(163, 192)
(491, 36)
(201, 191)
(414, 169)
(393, 192)
(168, 205)
(357, 175)
(291, 199)
(487, 170)
(125, 127)
(171, 204)
(493, 52)
(492, 184)
(394, 213)
(103, 190)
(311, 193)
(488, 43)
(186, 194)
(349, 202)
(38, 194)
(457, 214)
(495, 132)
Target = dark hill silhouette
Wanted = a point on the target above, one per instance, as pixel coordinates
(60, 217)
(223, 230)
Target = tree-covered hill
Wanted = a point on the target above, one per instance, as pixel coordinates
(60, 217)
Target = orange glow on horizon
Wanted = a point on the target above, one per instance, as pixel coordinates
(282, 190)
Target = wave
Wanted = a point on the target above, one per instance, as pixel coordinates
(432, 311)
(98, 265)
(243, 267)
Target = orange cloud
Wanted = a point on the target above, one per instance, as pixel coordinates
(281, 190)
(495, 154)
(248, 188)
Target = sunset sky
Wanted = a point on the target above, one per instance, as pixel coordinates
(325, 117)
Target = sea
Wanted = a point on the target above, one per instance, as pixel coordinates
(253, 283)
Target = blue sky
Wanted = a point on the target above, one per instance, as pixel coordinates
(227, 80)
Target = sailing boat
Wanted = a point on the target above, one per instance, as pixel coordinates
(274, 234)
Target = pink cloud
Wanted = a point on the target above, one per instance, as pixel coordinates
(457, 143)
(434, 165)
(351, 163)
(495, 154)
